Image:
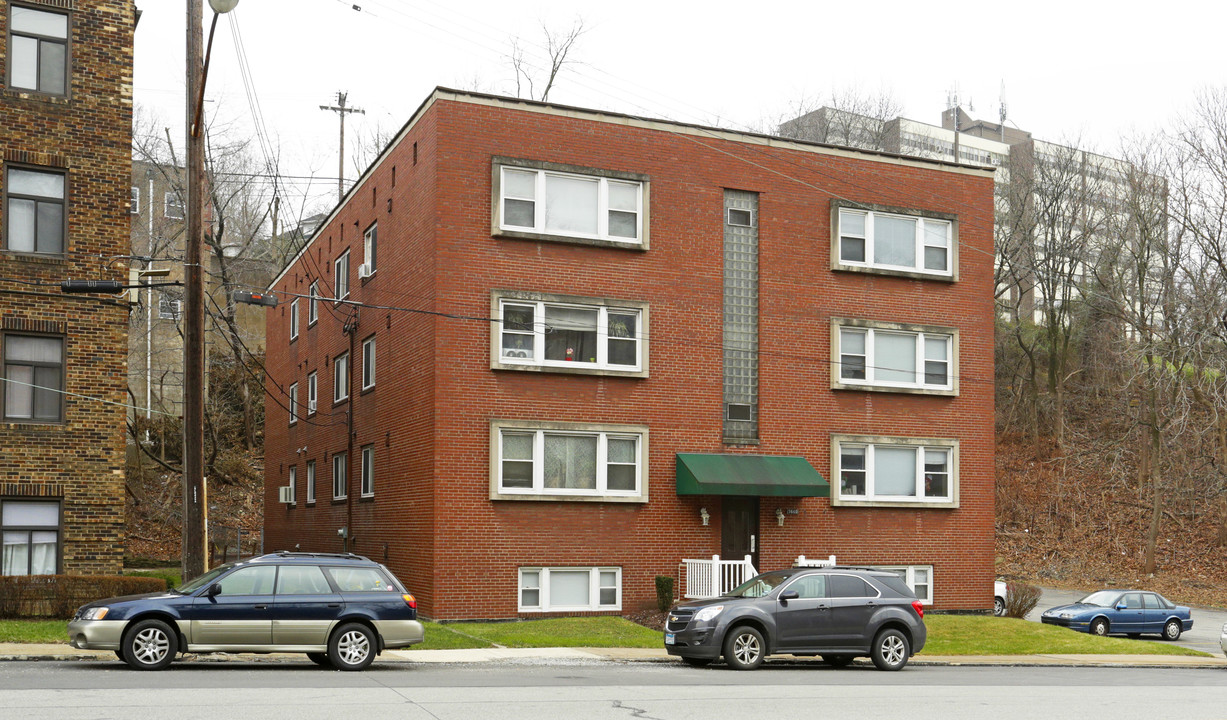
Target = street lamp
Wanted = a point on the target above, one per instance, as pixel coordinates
(195, 524)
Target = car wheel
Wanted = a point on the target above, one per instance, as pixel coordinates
(352, 647)
(891, 650)
(1172, 630)
(998, 607)
(320, 659)
(697, 662)
(744, 648)
(837, 661)
(150, 645)
(120, 654)
(1099, 627)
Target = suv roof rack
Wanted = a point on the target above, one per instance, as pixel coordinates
(296, 554)
(840, 567)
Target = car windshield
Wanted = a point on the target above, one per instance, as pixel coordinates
(760, 585)
(1103, 598)
(203, 580)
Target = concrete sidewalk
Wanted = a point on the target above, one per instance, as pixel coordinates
(28, 652)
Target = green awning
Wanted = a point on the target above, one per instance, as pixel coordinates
(774, 475)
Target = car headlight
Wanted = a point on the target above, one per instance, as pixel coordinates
(708, 613)
(1225, 628)
(1067, 616)
(96, 613)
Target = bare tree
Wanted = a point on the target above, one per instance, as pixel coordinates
(531, 72)
(846, 117)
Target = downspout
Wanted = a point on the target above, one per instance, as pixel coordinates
(351, 329)
(149, 316)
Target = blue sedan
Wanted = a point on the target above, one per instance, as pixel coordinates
(1123, 612)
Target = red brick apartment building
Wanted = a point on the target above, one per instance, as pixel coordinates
(590, 346)
(66, 136)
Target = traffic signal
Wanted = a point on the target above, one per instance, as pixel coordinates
(255, 298)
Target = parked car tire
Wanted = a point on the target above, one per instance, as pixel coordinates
(744, 648)
(320, 659)
(837, 661)
(999, 606)
(891, 650)
(120, 654)
(150, 645)
(697, 662)
(1172, 630)
(1099, 626)
(352, 647)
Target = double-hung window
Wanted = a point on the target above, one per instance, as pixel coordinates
(894, 242)
(168, 309)
(340, 378)
(294, 319)
(293, 403)
(35, 206)
(293, 484)
(919, 578)
(370, 242)
(341, 279)
(31, 535)
(564, 460)
(570, 589)
(567, 334)
(340, 476)
(313, 307)
(312, 392)
(173, 205)
(368, 363)
(893, 357)
(875, 470)
(38, 50)
(310, 481)
(134, 206)
(34, 378)
(368, 471)
(571, 203)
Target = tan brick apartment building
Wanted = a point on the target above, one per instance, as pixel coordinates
(591, 346)
(65, 128)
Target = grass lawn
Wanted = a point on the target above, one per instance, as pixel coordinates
(555, 632)
(981, 635)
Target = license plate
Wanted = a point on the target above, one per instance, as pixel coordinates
(670, 638)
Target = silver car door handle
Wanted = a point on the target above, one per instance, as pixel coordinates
(752, 539)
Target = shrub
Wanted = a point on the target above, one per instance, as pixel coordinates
(1020, 599)
(58, 596)
(664, 592)
(170, 576)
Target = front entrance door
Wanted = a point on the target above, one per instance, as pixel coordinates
(739, 529)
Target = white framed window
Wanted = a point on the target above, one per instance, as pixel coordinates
(370, 242)
(313, 305)
(312, 392)
(38, 50)
(895, 471)
(293, 483)
(570, 589)
(880, 240)
(294, 319)
(568, 334)
(134, 206)
(893, 357)
(340, 476)
(31, 534)
(310, 481)
(918, 577)
(293, 403)
(571, 202)
(568, 461)
(368, 471)
(169, 309)
(36, 204)
(173, 206)
(340, 378)
(368, 363)
(340, 269)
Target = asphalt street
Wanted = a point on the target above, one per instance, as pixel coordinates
(515, 690)
(1207, 624)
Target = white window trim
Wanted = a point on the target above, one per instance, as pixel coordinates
(367, 255)
(313, 307)
(538, 491)
(869, 266)
(339, 387)
(537, 363)
(293, 484)
(950, 389)
(340, 481)
(870, 442)
(294, 319)
(293, 403)
(312, 392)
(169, 309)
(603, 177)
(172, 200)
(910, 578)
(311, 481)
(368, 351)
(134, 206)
(594, 589)
(367, 486)
(340, 279)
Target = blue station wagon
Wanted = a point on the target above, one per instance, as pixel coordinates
(1123, 612)
(341, 610)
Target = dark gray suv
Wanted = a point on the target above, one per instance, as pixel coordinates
(838, 612)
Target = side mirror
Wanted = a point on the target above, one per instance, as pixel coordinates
(789, 595)
(214, 590)
(1121, 606)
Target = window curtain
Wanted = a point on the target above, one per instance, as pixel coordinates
(894, 471)
(570, 205)
(894, 241)
(570, 462)
(570, 334)
(16, 553)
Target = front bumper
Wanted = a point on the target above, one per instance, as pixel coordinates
(698, 642)
(95, 634)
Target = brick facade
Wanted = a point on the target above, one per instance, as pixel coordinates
(438, 391)
(85, 133)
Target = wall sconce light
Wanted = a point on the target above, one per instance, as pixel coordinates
(779, 516)
(704, 516)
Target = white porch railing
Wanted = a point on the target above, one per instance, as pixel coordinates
(802, 562)
(712, 578)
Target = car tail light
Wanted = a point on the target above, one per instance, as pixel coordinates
(919, 608)
(410, 600)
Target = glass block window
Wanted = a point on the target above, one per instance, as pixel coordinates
(740, 315)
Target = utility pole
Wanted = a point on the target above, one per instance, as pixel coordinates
(341, 110)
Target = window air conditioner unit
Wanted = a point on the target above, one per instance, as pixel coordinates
(311, 406)
(285, 494)
(365, 271)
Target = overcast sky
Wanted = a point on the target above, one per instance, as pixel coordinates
(1070, 69)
